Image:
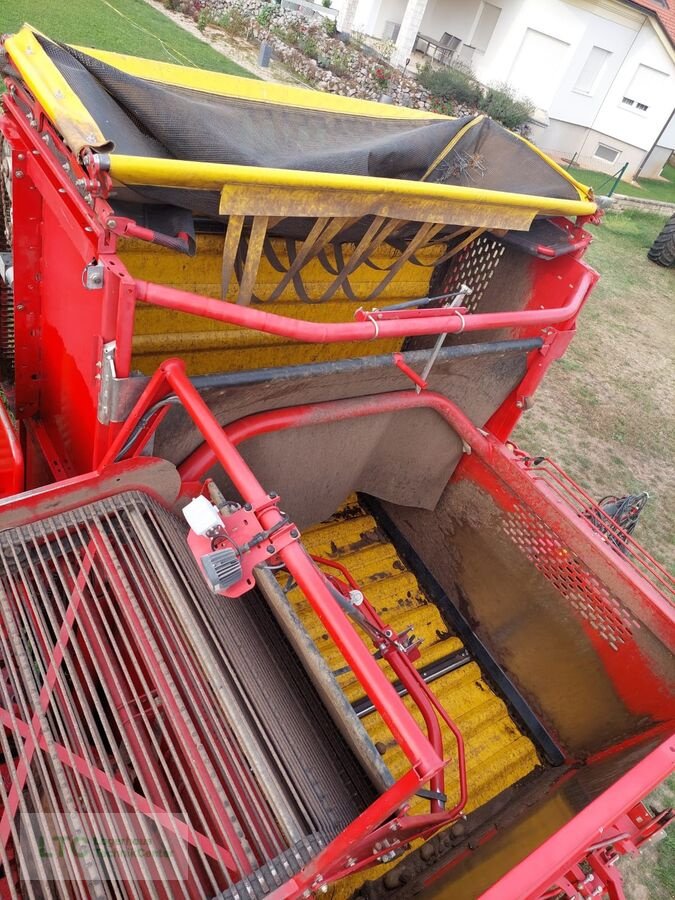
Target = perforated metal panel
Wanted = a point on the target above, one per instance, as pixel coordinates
(570, 576)
(475, 266)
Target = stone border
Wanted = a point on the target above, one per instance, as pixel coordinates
(622, 202)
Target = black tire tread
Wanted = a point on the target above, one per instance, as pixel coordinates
(662, 251)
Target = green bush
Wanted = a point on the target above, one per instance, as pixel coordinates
(450, 83)
(340, 62)
(327, 3)
(205, 18)
(264, 17)
(307, 44)
(235, 21)
(501, 103)
(330, 27)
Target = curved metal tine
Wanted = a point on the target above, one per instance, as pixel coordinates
(378, 232)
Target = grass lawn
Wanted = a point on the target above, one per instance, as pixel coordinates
(125, 26)
(648, 187)
(606, 412)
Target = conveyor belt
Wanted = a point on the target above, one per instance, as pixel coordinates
(498, 754)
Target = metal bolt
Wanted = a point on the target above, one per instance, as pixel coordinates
(273, 495)
(19, 305)
(519, 404)
(351, 862)
(271, 549)
(21, 156)
(248, 507)
(111, 223)
(295, 533)
(18, 174)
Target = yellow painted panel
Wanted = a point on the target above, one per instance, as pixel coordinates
(497, 753)
(56, 97)
(306, 192)
(208, 346)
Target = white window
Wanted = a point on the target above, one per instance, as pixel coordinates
(485, 26)
(645, 88)
(539, 67)
(605, 153)
(592, 70)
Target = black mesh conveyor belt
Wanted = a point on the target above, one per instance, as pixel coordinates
(146, 118)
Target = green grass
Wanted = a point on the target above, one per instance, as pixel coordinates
(124, 26)
(647, 187)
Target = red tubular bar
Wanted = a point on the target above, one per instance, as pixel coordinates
(199, 462)
(417, 689)
(425, 761)
(376, 325)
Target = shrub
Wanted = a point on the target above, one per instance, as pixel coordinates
(264, 17)
(205, 18)
(235, 21)
(330, 27)
(450, 83)
(501, 103)
(327, 3)
(339, 62)
(306, 44)
(444, 107)
(381, 77)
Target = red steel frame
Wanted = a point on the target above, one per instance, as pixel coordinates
(86, 223)
(47, 288)
(578, 534)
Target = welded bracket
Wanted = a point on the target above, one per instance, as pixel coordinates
(106, 377)
(92, 276)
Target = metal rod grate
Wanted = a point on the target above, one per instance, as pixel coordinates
(123, 712)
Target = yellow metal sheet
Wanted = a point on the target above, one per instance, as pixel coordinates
(208, 346)
(497, 753)
(50, 88)
(303, 193)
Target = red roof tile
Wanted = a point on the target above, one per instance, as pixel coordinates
(665, 12)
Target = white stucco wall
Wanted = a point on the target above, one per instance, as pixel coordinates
(540, 48)
(667, 139)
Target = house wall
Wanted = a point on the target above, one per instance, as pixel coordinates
(540, 48)
(653, 165)
(372, 15)
(564, 140)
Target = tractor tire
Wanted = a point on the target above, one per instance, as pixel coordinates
(662, 251)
